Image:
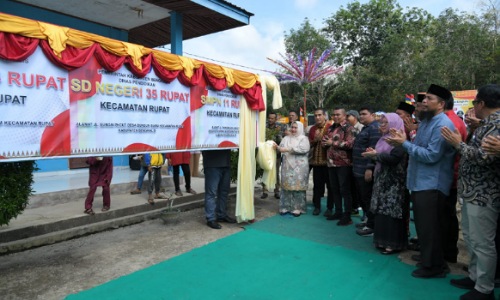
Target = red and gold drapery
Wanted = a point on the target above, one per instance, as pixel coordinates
(70, 49)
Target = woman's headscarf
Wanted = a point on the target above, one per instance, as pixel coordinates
(293, 140)
(298, 144)
(300, 128)
(393, 121)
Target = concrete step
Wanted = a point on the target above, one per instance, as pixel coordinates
(58, 216)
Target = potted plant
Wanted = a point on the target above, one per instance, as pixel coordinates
(170, 214)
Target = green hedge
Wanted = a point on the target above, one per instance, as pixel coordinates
(16, 181)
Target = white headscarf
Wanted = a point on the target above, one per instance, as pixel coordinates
(295, 160)
(296, 141)
(300, 128)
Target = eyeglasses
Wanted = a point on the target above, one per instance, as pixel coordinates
(474, 102)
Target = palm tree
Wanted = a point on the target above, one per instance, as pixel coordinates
(305, 71)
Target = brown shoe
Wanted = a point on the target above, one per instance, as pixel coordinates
(191, 191)
(151, 200)
(135, 192)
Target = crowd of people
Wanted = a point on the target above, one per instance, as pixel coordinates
(422, 158)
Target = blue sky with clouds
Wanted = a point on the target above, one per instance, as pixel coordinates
(249, 46)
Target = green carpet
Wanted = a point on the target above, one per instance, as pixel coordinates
(279, 258)
(317, 229)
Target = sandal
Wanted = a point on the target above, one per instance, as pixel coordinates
(151, 201)
(89, 212)
(105, 208)
(158, 196)
(135, 192)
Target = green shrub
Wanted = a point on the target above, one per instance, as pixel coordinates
(16, 179)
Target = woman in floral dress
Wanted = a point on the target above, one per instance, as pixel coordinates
(389, 189)
(294, 171)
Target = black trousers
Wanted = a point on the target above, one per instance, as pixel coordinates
(450, 227)
(497, 246)
(187, 176)
(340, 181)
(356, 200)
(320, 180)
(365, 190)
(428, 210)
(154, 178)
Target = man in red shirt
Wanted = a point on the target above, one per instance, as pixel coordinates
(339, 140)
(450, 220)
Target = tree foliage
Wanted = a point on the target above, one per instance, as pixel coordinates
(360, 31)
(303, 67)
(16, 179)
(388, 51)
(301, 41)
(391, 52)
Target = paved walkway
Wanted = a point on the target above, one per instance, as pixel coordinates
(55, 212)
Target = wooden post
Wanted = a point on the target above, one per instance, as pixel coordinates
(195, 164)
(305, 109)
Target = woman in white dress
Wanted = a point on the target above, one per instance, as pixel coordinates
(294, 149)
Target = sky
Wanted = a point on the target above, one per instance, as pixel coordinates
(247, 48)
